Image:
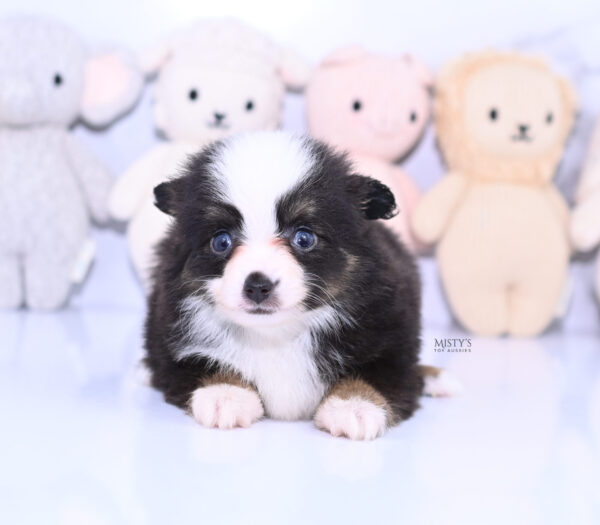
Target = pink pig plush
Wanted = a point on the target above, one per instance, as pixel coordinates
(376, 108)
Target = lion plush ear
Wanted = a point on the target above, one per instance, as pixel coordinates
(569, 94)
(112, 85)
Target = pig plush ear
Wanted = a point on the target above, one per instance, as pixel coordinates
(345, 55)
(420, 69)
(112, 85)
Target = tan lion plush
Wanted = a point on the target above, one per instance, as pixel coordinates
(502, 120)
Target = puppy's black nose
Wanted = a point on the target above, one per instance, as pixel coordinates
(219, 116)
(257, 287)
(523, 128)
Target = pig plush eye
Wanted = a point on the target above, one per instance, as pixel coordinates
(193, 94)
(549, 118)
(493, 114)
(57, 79)
(249, 105)
(413, 116)
(357, 105)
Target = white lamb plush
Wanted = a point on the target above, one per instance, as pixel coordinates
(216, 78)
(50, 183)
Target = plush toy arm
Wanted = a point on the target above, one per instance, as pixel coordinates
(585, 223)
(435, 209)
(94, 178)
(131, 188)
(560, 205)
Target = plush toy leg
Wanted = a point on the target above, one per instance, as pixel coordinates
(48, 277)
(145, 232)
(533, 305)
(141, 251)
(11, 287)
(482, 312)
(478, 299)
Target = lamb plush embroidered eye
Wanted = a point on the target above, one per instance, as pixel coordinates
(357, 105)
(193, 94)
(58, 79)
(304, 239)
(250, 105)
(493, 114)
(221, 243)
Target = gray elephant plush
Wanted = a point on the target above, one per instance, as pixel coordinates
(50, 185)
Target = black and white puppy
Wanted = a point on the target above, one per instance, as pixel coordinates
(278, 293)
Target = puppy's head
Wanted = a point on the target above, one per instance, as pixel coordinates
(272, 226)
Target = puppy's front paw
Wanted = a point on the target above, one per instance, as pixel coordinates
(226, 406)
(355, 418)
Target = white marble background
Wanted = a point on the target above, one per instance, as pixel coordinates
(568, 33)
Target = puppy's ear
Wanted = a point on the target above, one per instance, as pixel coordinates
(165, 195)
(375, 200)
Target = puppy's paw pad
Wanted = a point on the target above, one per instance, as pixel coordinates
(355, 418)
(443, 385)
(226, 406)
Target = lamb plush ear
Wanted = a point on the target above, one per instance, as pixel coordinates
(421, 70)
(112, 86)
(293, 70)
(375, 200)
(345, 55)
(151, 60)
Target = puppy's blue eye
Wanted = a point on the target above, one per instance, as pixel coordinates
(221, 242)
(304, 239)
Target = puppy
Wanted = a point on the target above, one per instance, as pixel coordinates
(278, 294)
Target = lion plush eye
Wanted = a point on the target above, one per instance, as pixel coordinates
(493, 114)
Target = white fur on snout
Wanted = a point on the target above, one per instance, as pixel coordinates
(271, 258)
(355, 418)
(226, 406)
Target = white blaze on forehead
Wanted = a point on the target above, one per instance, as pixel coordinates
(257, 169)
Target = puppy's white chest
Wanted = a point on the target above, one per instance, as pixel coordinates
(285, 374)
(287, 380)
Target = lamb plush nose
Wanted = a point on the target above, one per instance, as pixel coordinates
(257, 287)
(523, 128)
(219, 116)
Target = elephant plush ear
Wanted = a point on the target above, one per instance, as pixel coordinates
(113, 83)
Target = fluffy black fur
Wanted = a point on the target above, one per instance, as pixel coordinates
(357, 260)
